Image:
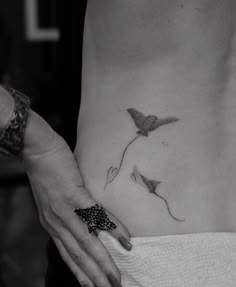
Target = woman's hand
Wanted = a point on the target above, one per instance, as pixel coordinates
(58, 189)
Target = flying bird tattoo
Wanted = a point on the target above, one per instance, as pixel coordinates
(151, 186)
(145, 124)
(149, 123)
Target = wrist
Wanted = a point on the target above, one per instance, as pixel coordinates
(27, 130)
(39, 137)
(6, 108)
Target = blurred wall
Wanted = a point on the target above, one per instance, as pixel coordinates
(49, 70)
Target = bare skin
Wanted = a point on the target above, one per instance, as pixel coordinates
(163, 58)
(58, 189)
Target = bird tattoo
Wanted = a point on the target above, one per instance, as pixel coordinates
(151, 186)
(145, 124)
(149, 123)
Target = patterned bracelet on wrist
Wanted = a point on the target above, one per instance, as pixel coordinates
(12, 137)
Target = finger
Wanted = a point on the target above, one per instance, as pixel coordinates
(90, 243)
(120, 233)
(82, 259)
(69, 222)
(81, 277)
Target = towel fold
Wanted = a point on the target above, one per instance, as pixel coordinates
(188, 260)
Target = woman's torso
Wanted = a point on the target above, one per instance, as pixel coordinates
(169, 59)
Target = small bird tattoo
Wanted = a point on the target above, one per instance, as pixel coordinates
(149, 123)
(151, 186)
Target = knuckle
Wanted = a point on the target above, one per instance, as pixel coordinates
(103, 262)
(47, 220)
(103, 258)
(65, 257)
(56, 208)
(54, 233)
(84, 282)
(77, 257)
(82, 279)
(100, 281)
(85, 242)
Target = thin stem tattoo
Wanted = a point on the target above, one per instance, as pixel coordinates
(145, 124)
(151, 186)
(113, 172)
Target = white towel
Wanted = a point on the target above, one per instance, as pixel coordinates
(189, 260)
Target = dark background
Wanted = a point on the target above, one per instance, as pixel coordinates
(49, 72)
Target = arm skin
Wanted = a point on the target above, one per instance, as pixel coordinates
(58, 188)
(6, 108)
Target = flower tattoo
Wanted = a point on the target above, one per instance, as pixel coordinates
(145, 124)
(151, 186)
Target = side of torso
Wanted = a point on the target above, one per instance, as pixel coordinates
(168, 59)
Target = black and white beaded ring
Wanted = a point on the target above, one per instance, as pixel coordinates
(95, 217)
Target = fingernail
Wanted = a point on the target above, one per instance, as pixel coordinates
(125, 243)
(114, 282)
